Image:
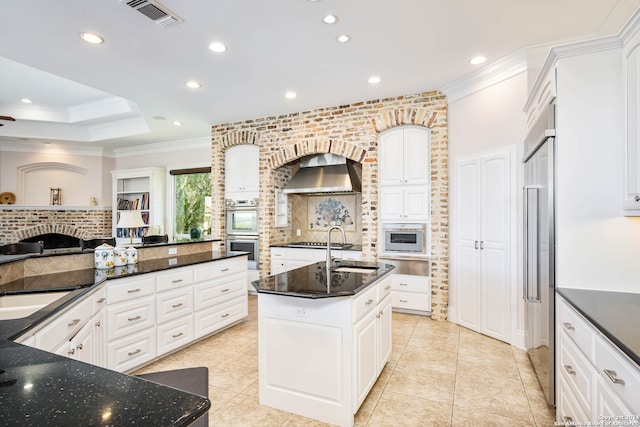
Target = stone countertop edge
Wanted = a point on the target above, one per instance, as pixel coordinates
(615, 314)
(357, 248)
(311, 288)
(63, 391)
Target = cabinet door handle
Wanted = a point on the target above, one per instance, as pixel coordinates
(378, 315)
(177, 335)
(381, 312)
(569, 369)
(476, 244)
(79, 347)
(132, 353)
(403, 300)
(224, 290)
(225, 315)
(98, 324)
(177, 305)
(224, 269)
(101, 300)
(132, 291)
(74, 322)
(176, 281)
(481, 244)
(369, 302)
(637, 198)
(72, 351)
(567, 419)
(568, 326)
(612, 375)
(403, 284)
(131, 319)
(386, 288)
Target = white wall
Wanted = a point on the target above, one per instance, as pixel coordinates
(597, 247)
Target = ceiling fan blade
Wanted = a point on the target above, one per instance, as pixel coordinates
(9, 118)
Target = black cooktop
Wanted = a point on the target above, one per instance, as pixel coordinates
(319, 245)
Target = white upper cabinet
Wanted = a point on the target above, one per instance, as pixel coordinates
(404, 156)
(242, 172)
(631, 203)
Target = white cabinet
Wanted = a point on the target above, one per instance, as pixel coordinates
(483, 214)
(286, 259)
(138, 190)
(242, 172)
(404, 169)
(411, 293)
(631, 203)
(594, 379)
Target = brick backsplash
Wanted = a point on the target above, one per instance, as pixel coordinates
(349, 130)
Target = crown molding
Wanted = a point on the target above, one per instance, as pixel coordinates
(39, 147)
(163, 147)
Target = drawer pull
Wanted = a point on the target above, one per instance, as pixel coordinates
(73, 323)
(567, 419)
(403, 284)
(225, 290)
(133, 353)
(225, 315)
(386, 288)
(177, 335)
(403, 300)
(369, 302)
(133, 291)
(177, 305)
(131, 319)
(101, 300)
(378, 315)
(98, 324)
(176, 281)
(569, 369)
(612, 376)
(568, 326)
(224, 269)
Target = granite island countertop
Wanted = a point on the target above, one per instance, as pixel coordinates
(311, 281)
(615, 314)
(42, 388)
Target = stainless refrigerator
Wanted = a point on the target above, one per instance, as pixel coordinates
(539, 249)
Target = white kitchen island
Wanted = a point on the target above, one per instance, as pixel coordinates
(321, 351)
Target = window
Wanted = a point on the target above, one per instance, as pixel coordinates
(191, 202)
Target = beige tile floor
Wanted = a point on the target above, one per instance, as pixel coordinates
(440, 374)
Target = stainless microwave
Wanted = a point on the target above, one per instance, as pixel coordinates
(405, 237)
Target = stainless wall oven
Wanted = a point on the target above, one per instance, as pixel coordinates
(237, 244)
(405, 237)
(241, 217)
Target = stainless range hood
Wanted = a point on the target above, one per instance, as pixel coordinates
(325, 173)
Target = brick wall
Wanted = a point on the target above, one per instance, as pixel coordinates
(351, 131)
(18, 224)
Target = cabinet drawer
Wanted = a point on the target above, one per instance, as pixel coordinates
(577, 371)
(384, 288)
(618, 372)
(364, 303)
(278, 253)
(63, 327)
(128, 289)
(218, 269)
(177, 278)
(576, 327)
(174, 334)
(216, 291)
(568, 410)
(129, 317)
(347, 255)
(411, 301)
(174, 304)
(210, 320)
(132, 351)
(610, 408)
(411, 283)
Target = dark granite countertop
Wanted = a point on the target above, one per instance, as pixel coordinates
(42, 388)
(615, 314)
(311, 281)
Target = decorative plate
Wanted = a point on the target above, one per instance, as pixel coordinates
(7, 198)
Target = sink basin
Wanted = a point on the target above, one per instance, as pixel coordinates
(356, 269)
(23, 305)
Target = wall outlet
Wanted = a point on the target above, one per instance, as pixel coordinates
(173, 261)
(300, 312)
(298, 232)
(173, 251)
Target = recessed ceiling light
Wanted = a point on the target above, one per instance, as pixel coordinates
(374, 80)
(91, 38)
(217, 47)
(343, 38)
(477, 60)
(177, 123)
(290, 95)
(330, 19)
(26, 100)
(193, 84)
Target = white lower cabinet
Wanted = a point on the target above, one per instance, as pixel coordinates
(286, 259)
(132, 351)
(175, 334)
(595, 381)
(410, 292)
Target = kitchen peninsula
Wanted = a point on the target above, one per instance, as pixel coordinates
(324, 337)
(41, 387)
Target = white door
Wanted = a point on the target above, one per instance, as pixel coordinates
(416, 202)
(484, 211)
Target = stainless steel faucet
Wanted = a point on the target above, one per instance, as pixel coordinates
(344, 240)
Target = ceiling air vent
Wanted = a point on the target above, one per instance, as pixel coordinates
(154, 11)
